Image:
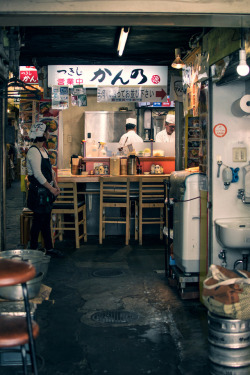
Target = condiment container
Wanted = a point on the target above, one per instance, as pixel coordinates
(132, 164)
(124, 166)
(114, 166)
(94, 150)
(74, 164)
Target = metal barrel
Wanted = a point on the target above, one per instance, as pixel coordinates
(229, 345)
(224, 370)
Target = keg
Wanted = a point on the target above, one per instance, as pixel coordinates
(229, 345)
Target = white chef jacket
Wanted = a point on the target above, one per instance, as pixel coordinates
(163, 136)
(129, 138)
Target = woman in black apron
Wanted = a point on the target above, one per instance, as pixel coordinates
(43, 188)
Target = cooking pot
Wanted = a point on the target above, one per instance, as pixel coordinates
(15, 292)
(37, 258)
(132, 164)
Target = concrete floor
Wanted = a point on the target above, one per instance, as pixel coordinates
(167, 337)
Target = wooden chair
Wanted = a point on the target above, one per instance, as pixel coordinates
(18, 331)
(68, 202)
(114, 192)
(151, 195)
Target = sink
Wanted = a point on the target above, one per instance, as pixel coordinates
(233, 233)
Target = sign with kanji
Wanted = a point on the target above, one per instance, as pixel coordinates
(220, 130)
(131, 94)
(28, 74)
(107, 75)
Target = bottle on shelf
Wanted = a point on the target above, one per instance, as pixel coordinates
(114, 165)
(101, 150)
(94, 149)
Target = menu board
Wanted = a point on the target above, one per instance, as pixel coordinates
(50, 117)
(193, 142)
(31, 111)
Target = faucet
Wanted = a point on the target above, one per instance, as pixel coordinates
(237, 262)
(241, 195)
(222, 255)
(244, 261)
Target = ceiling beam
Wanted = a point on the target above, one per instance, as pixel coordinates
(139, 19)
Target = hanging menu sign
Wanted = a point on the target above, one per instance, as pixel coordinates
(107, 75)
(131, 94)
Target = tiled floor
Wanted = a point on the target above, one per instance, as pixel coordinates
(167, 337)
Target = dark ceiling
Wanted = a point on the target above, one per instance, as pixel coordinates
(147, 45)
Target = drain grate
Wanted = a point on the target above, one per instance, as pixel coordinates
(114, 317)
(108, 272)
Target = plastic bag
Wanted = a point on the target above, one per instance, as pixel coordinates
(227, 293)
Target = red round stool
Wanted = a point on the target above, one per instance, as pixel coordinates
(18, 330)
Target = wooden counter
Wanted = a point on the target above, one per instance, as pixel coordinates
(96, 178)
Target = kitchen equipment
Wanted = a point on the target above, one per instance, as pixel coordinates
(106, 126)
(45, 265)
(185, 189)
(15, 292)
(37, 258)
(133, 161)
(114, 166)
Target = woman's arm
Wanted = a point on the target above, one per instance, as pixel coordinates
(34, 165)
(54, 180)
(53, 190)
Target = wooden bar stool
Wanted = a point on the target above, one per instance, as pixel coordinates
(114, 192)
(151, 196)
(26, 218)
(69, 201)
(18, 330)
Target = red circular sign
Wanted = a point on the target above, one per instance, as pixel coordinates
(155, 79)
(220, 130)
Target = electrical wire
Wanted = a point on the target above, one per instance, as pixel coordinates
(186, 200)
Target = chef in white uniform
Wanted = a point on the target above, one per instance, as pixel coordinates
(168, 134)
(130, 136)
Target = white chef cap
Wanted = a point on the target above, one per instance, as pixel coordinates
(170, 118)
(37, 130)
(131, 121)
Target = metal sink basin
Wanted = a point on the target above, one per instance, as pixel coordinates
(233, 233)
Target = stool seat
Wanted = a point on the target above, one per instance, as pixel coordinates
(69, 202)
(14, 331)
(14, 272)
(18, 330)
(114, 193)
(152, 193)
(26, 219)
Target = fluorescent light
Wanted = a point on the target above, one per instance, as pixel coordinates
(242, 68)
(178, 63)
(122, 40)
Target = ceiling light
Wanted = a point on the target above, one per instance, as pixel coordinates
(242, 68)
(178, 63)
(122, 40)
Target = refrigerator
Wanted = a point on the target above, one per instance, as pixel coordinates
(185, 190)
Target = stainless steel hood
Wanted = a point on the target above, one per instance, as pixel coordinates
(104, 126)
